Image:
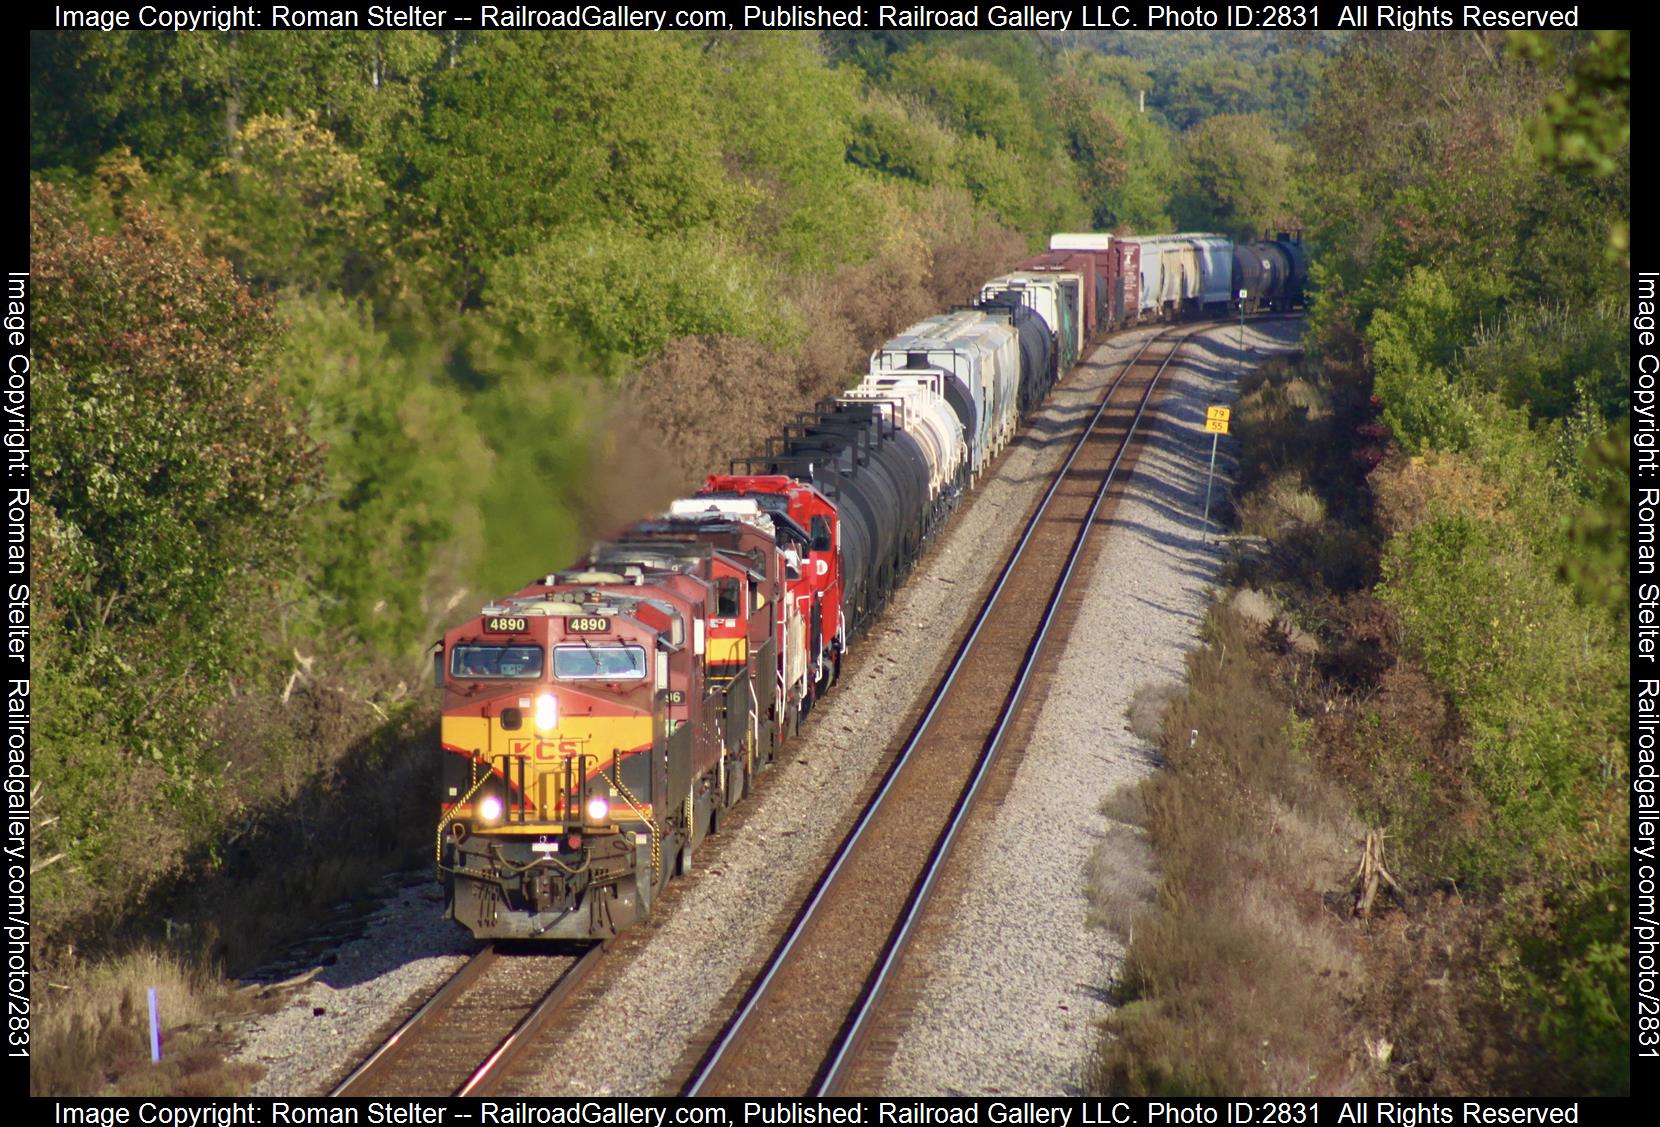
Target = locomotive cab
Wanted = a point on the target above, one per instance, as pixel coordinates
(818, 593)
(553, 812)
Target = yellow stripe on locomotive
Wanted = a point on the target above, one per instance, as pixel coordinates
(595, 741)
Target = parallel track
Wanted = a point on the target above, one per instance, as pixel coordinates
(802, 1022)
(469, 1055)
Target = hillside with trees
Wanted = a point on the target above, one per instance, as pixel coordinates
(338, 334)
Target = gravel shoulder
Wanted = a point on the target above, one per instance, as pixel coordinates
(667, 979)
(325, 1026)
(1016, 979)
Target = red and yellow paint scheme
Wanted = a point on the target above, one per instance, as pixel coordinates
(559, 805)
(817, 590)
(596, 723)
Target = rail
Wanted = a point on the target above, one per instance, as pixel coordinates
(713, 1069)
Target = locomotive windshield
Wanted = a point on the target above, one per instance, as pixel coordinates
(599, 663)
(518, 663)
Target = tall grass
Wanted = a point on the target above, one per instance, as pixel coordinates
(92, 1030)
(1233, 983)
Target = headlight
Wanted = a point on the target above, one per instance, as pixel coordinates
(490, 808)
(598, 807)
(547, 712)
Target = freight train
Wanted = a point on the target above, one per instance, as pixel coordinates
(598, 722)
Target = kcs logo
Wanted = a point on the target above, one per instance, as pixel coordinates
(545, 749)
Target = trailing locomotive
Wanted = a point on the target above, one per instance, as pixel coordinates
(598, 722)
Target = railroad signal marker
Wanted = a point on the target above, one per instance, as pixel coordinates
(1216, 424)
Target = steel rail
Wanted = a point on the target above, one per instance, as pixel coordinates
(485, 1078)
(836, 1072)
(377, 1062)
(732, 1030)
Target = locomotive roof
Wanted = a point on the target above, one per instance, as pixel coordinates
(706, 511)
(670, 555)
(570, 600)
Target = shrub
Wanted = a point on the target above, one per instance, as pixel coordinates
(626, 294)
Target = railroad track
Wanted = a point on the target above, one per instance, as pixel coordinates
(803, 1023)
(465, 1038)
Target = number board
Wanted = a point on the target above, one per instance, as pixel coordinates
(505, 625)
(674, 696)
(587, 625)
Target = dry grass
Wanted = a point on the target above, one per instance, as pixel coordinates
(1122, 881)
(1148, 706)
(1253, 606)
(1302, 395)
(364, 809)
(1253, 974)
(1310, 440)
(1239, 980)
(1427, 998)
(1127, 805)
(1286, 503)
(91, 1035)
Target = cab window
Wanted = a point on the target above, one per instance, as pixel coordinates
(730, 597)
(512, 663)
(599, 663)
(821, 535)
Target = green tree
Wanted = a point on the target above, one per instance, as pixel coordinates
(1238, 176)
(1588, 121)
(161, 442)
(395, 531)
(625, 295)
(534, 133)
(787, 119)
(1413, 344)
(899, 138)
(184, 96)
(1124, 159)
(170, 476)
(296, 208)
(1209, 86)
(1465, 247)
(971, 96)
